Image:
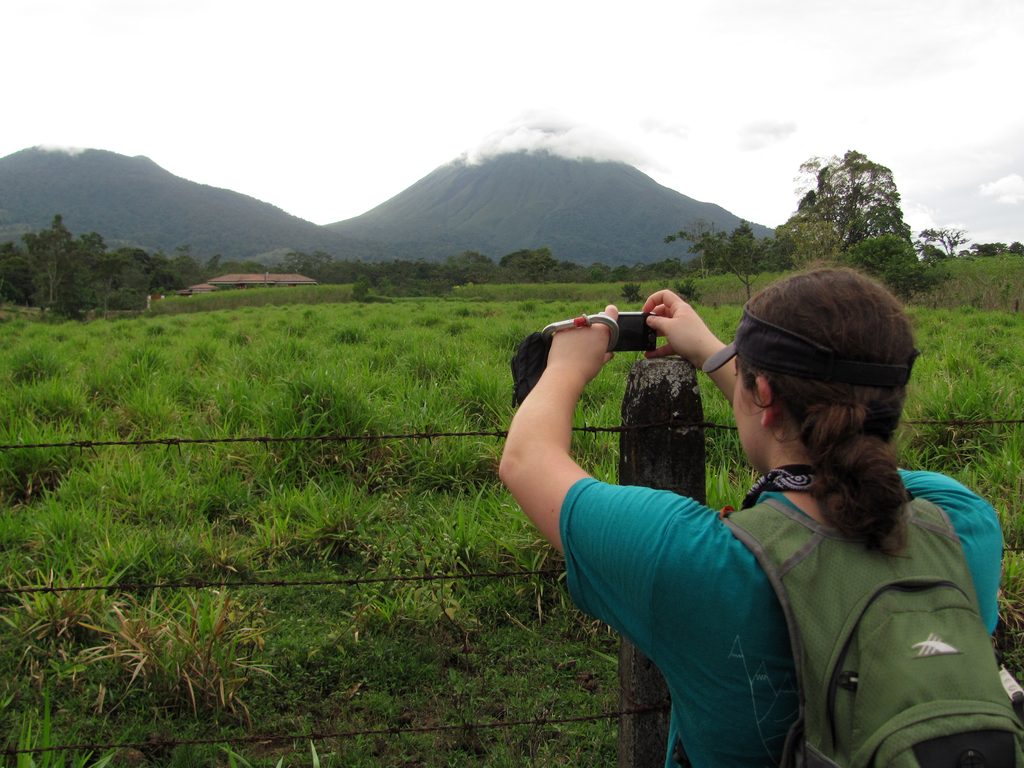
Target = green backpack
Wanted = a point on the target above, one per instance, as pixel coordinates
(893, 663)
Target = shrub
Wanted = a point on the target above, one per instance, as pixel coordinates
(631, 292)
(688, 289)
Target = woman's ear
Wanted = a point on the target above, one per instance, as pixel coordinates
(772, 412)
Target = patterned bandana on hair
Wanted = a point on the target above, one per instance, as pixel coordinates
(792, 477)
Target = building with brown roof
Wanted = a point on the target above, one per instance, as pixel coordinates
(201, 288)
(259, 280)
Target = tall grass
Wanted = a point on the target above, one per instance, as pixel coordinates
(995, 283)
(128, 666)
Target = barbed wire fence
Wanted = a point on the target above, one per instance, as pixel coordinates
(629, 707)
(86, 443)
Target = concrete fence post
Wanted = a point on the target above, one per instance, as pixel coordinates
(655, 455)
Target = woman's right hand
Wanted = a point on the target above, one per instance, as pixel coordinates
(685, 332)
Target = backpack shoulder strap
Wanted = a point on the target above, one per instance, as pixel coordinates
(779, 537)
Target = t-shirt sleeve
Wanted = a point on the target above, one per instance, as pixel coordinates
(977, 525)
(614, 539)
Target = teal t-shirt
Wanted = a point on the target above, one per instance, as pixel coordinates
(664, 571)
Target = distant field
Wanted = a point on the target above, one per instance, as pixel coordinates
(216, 663)
(715, 290)
(986, 283)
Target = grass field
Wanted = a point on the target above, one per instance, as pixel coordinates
(148, 666)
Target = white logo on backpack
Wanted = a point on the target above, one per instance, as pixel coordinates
(934, 646)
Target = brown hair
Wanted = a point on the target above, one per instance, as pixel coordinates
(856, 482)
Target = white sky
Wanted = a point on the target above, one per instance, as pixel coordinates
(327, 108)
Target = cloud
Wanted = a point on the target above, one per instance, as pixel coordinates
(554, 135)
(58, 148)
(1009, 189)
(763, 133)
(920, 217)
(673, 129)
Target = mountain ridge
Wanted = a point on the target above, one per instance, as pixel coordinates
(584, 210)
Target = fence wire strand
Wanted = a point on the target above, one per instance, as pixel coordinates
(337, 438)
(130, 587)
(494, 433)
(236, 583)
(159, 743)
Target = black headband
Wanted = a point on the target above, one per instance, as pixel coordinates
(771, 348)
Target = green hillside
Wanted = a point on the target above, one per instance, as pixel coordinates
(132, 201)
(585, 211)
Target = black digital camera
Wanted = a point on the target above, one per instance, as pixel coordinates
(634, 333)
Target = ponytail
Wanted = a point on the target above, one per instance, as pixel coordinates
(856, 482)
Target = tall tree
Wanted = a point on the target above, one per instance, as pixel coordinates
(739, 253)
(64, 268)
(941, 243)
(76, 294)
(856, 196)
(51, 253)
(742, 254)
(701, 234)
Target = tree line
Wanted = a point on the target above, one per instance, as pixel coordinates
(78, 276)
(73, 276)
(849, 213)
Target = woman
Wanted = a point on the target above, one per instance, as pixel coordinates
(816, 378)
